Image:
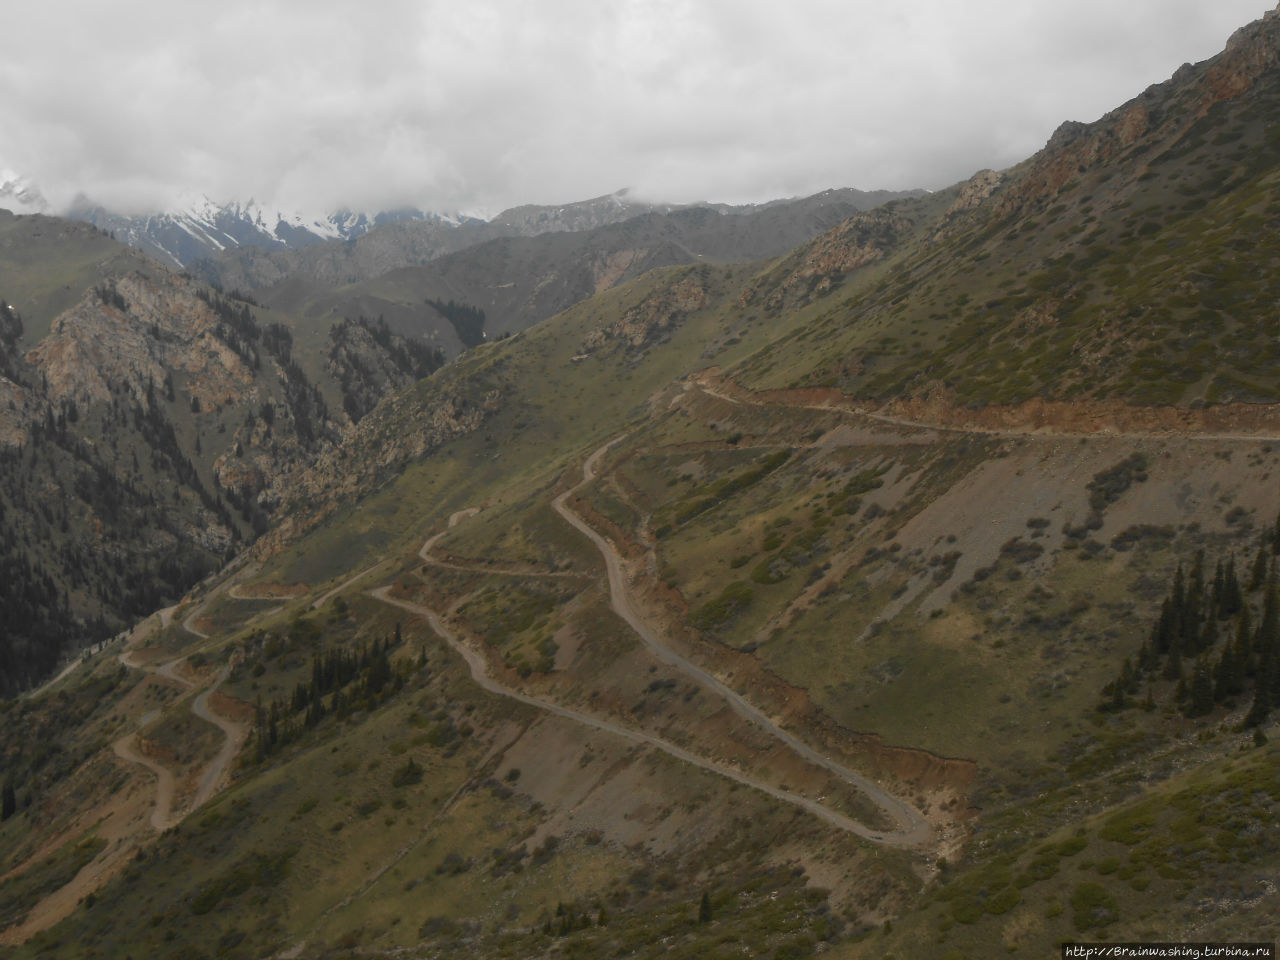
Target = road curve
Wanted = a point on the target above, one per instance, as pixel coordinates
(234, 736)
(162, 812)
(480, 674)
(914, 829)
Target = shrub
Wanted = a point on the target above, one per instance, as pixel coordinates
(1092, 906)
(407, 775)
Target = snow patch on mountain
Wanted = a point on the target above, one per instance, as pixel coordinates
(20, 195)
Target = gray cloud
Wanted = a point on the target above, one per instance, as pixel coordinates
(493, 102)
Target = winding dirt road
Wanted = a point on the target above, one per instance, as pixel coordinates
(215, 773)
(162, 813)
(745, 397)
(914, 830)
(480, 674)
(234, 736)
(511, 570)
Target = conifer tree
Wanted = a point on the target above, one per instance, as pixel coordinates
(1232, 600)
(8, 801)
(1259, 573)
(1200, 692)
(1162, 632)
(1261, 705)
(1228, 678)
(1173, 666)
(1244, 644)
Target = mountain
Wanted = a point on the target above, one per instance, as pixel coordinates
(910, 593)
(19, 195)
(408, 244)
(520, 280)
(201, 227)
(148, 422)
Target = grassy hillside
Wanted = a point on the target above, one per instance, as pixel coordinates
(903, 597)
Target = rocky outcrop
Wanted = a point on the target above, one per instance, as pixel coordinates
(653, 317)
(401, 429)
(818, 266)
(133, 335)
(1155, 120)
(370, 362)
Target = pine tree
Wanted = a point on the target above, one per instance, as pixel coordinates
(1267, 638)
(1162, 632)
(1193, 608)
(1228, 679)
(1261, 705)
(1244, 644)
(1173, 666)
(1259, 573)
(1232, 601)
(8, 801)
(1200, 693)
(704, 908)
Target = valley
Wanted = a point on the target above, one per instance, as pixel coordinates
(911, 589)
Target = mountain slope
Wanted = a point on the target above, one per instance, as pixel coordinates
(148, 428)
(518, 281)
(778, 226)
(569, 649)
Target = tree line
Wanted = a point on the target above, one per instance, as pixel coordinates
(1205, 642)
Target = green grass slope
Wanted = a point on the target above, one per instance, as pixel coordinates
(954, 494)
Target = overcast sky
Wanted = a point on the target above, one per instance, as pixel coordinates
(482, 104)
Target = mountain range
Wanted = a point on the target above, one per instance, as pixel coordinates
(890, 581)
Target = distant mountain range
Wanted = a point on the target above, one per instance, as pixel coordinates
(197, 227)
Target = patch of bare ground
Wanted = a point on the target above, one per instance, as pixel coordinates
(267, 591)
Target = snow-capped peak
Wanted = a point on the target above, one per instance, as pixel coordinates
(20, 195)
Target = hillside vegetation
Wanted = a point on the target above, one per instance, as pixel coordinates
(914, 594)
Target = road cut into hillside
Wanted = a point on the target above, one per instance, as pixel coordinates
(914, 829)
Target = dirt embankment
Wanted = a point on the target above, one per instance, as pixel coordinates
(1078, 417)
(913, 767)
(793, 706)
(623, 540)
(1094, 416)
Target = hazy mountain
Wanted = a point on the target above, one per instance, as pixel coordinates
(408, 244)
(19, 195)
(520, 280)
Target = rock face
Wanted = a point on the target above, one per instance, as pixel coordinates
(813, 269)
(1155, 120)
(652, 318)
(145, 439)
(370, 363)
(136, 334)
